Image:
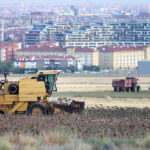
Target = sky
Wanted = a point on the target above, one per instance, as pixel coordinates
(67, 2)
(78, 1)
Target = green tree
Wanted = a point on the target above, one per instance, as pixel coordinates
(94, 68)
(6, 67)
(72, 68)
(86, 68)
(9, 67)
(91, 68)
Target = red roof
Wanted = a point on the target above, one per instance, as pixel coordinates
(44, 48)
(120, 48)
(9, 44)
(83, 49)
(49, 43)
(53, 48)
(47, 57)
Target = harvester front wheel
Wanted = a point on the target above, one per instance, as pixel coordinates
(37, 109)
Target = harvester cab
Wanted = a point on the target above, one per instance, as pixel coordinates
(49, 79)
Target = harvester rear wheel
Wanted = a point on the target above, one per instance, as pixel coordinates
(37, 109)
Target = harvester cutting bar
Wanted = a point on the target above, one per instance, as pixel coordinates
(67, 105)
(75, 106)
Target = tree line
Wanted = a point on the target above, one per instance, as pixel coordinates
(9, 67)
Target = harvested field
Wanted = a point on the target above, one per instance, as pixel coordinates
(96, 121)
(123, 117)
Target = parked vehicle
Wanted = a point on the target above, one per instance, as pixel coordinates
(126, 85)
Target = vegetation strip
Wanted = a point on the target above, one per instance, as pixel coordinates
(104, 94)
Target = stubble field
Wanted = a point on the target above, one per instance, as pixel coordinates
(123, 117)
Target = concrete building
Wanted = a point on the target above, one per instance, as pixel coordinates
(82, 55)
(91, 34)
(118, 57)
(36, 34)
(129, 33)
(44, 61)
(8, 50)
(147, 53)
(144, 67)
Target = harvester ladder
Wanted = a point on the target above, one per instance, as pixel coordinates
(18, 105)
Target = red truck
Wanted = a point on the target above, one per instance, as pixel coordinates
(126, 85)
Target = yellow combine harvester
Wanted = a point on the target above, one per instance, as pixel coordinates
(30, 95)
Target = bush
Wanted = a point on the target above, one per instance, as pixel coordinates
(145, 142)
(6, 67)
(9, 67)
(5, 144)
(96, 143)
(72, 68)
(91, 68)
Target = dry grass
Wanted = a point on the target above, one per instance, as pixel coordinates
(112, 123)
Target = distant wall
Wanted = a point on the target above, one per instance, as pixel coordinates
(144, 67)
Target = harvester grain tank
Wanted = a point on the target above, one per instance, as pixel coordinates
(31, 95)
(126, 85)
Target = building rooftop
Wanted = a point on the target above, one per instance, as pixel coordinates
(44, 48)
(9, 44)
(84, 49)
(119, 48)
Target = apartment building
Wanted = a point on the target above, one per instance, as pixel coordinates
(82, 55)
(147, 53)
(94, 34)
(36, 35)
(118, 57)
(45, 32)
(42, 51)
(111, 33)
(8, 50)
(44, 61)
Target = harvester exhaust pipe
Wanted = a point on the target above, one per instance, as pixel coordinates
(5, 76)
